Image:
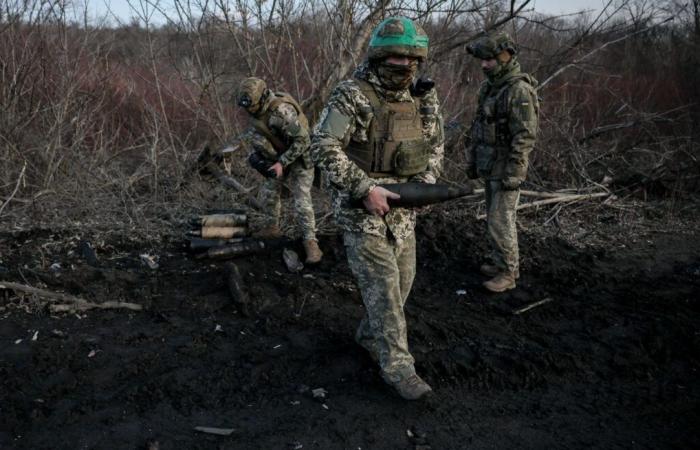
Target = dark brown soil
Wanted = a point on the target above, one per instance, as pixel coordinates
(611, 362)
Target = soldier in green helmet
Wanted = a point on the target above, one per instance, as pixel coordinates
(279, 137)
(379, 128)
(503, 135)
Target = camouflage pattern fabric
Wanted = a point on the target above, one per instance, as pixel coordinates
(298, 169)
(501, 226)
(346, 180)
(503, 135)
(384, 270)
(284, 120)
(501, 150)
(380, 250)
(299, 179)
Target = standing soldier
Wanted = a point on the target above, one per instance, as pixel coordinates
(279, 137)
(381, 128)
(503, 135)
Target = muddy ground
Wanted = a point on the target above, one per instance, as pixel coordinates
(611, 362)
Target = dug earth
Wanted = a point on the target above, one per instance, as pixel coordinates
(597, 347)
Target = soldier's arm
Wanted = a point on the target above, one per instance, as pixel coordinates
(523, 129)
(285, 120)
(433, 130)
(336, 124)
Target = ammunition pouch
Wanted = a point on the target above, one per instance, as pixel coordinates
(258, 162)
(485, 158)
(410, 158)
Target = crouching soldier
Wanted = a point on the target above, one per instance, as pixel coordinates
(279, 137)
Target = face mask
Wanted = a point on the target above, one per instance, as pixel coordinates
(396, 76)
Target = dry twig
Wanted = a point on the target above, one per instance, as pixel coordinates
(558, 199)
(72, 303)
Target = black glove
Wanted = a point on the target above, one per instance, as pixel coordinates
(262, 165)
(511, 183)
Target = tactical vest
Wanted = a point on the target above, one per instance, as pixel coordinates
(395, 143)
(260, 123)
(491, 131)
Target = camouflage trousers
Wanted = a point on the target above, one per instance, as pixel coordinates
(384, 270)
(299, 180)
(500, 223)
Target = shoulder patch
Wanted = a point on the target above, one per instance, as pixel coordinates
(335, 124)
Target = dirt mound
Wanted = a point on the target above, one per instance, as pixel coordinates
(609, 361)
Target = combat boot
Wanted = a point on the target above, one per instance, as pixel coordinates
(501, 282)
(408, 385)
(313, 253)
(491, 270)
(411, 387)
(268, 232)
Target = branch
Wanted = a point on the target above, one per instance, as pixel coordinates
(593, 52)
(511, 15)
(559, 199)
(73, 303)
(19, 181)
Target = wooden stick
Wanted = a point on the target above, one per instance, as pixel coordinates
(558, 199)
(216, 431)
(517, 312)
(73, 303)
(85, 305)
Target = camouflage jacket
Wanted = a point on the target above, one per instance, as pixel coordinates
(284, 123)
(505, 128)
(346, 180)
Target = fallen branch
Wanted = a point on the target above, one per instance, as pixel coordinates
(559, 199)
(216, 431)
(517, 312)
(84, 305)
(72, 303)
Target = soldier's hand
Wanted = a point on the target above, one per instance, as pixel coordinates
(277, 168)
(376, 200)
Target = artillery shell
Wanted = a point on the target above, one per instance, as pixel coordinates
(235, 250)
(220, 220)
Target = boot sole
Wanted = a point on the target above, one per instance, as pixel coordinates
(507, 288)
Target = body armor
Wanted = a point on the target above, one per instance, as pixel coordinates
(491, 132)
(395, 144)
(260, 122)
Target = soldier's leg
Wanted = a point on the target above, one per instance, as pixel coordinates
(501, 224)
(373, 261)
(269, 196)
(300, 182)
(406, 261)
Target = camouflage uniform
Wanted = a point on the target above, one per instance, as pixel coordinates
(283, 121)
(381, 250)
(298, 169)
(503, 135)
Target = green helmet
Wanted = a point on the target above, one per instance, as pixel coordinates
(488, 45)
(398, 36)
(250, 92)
